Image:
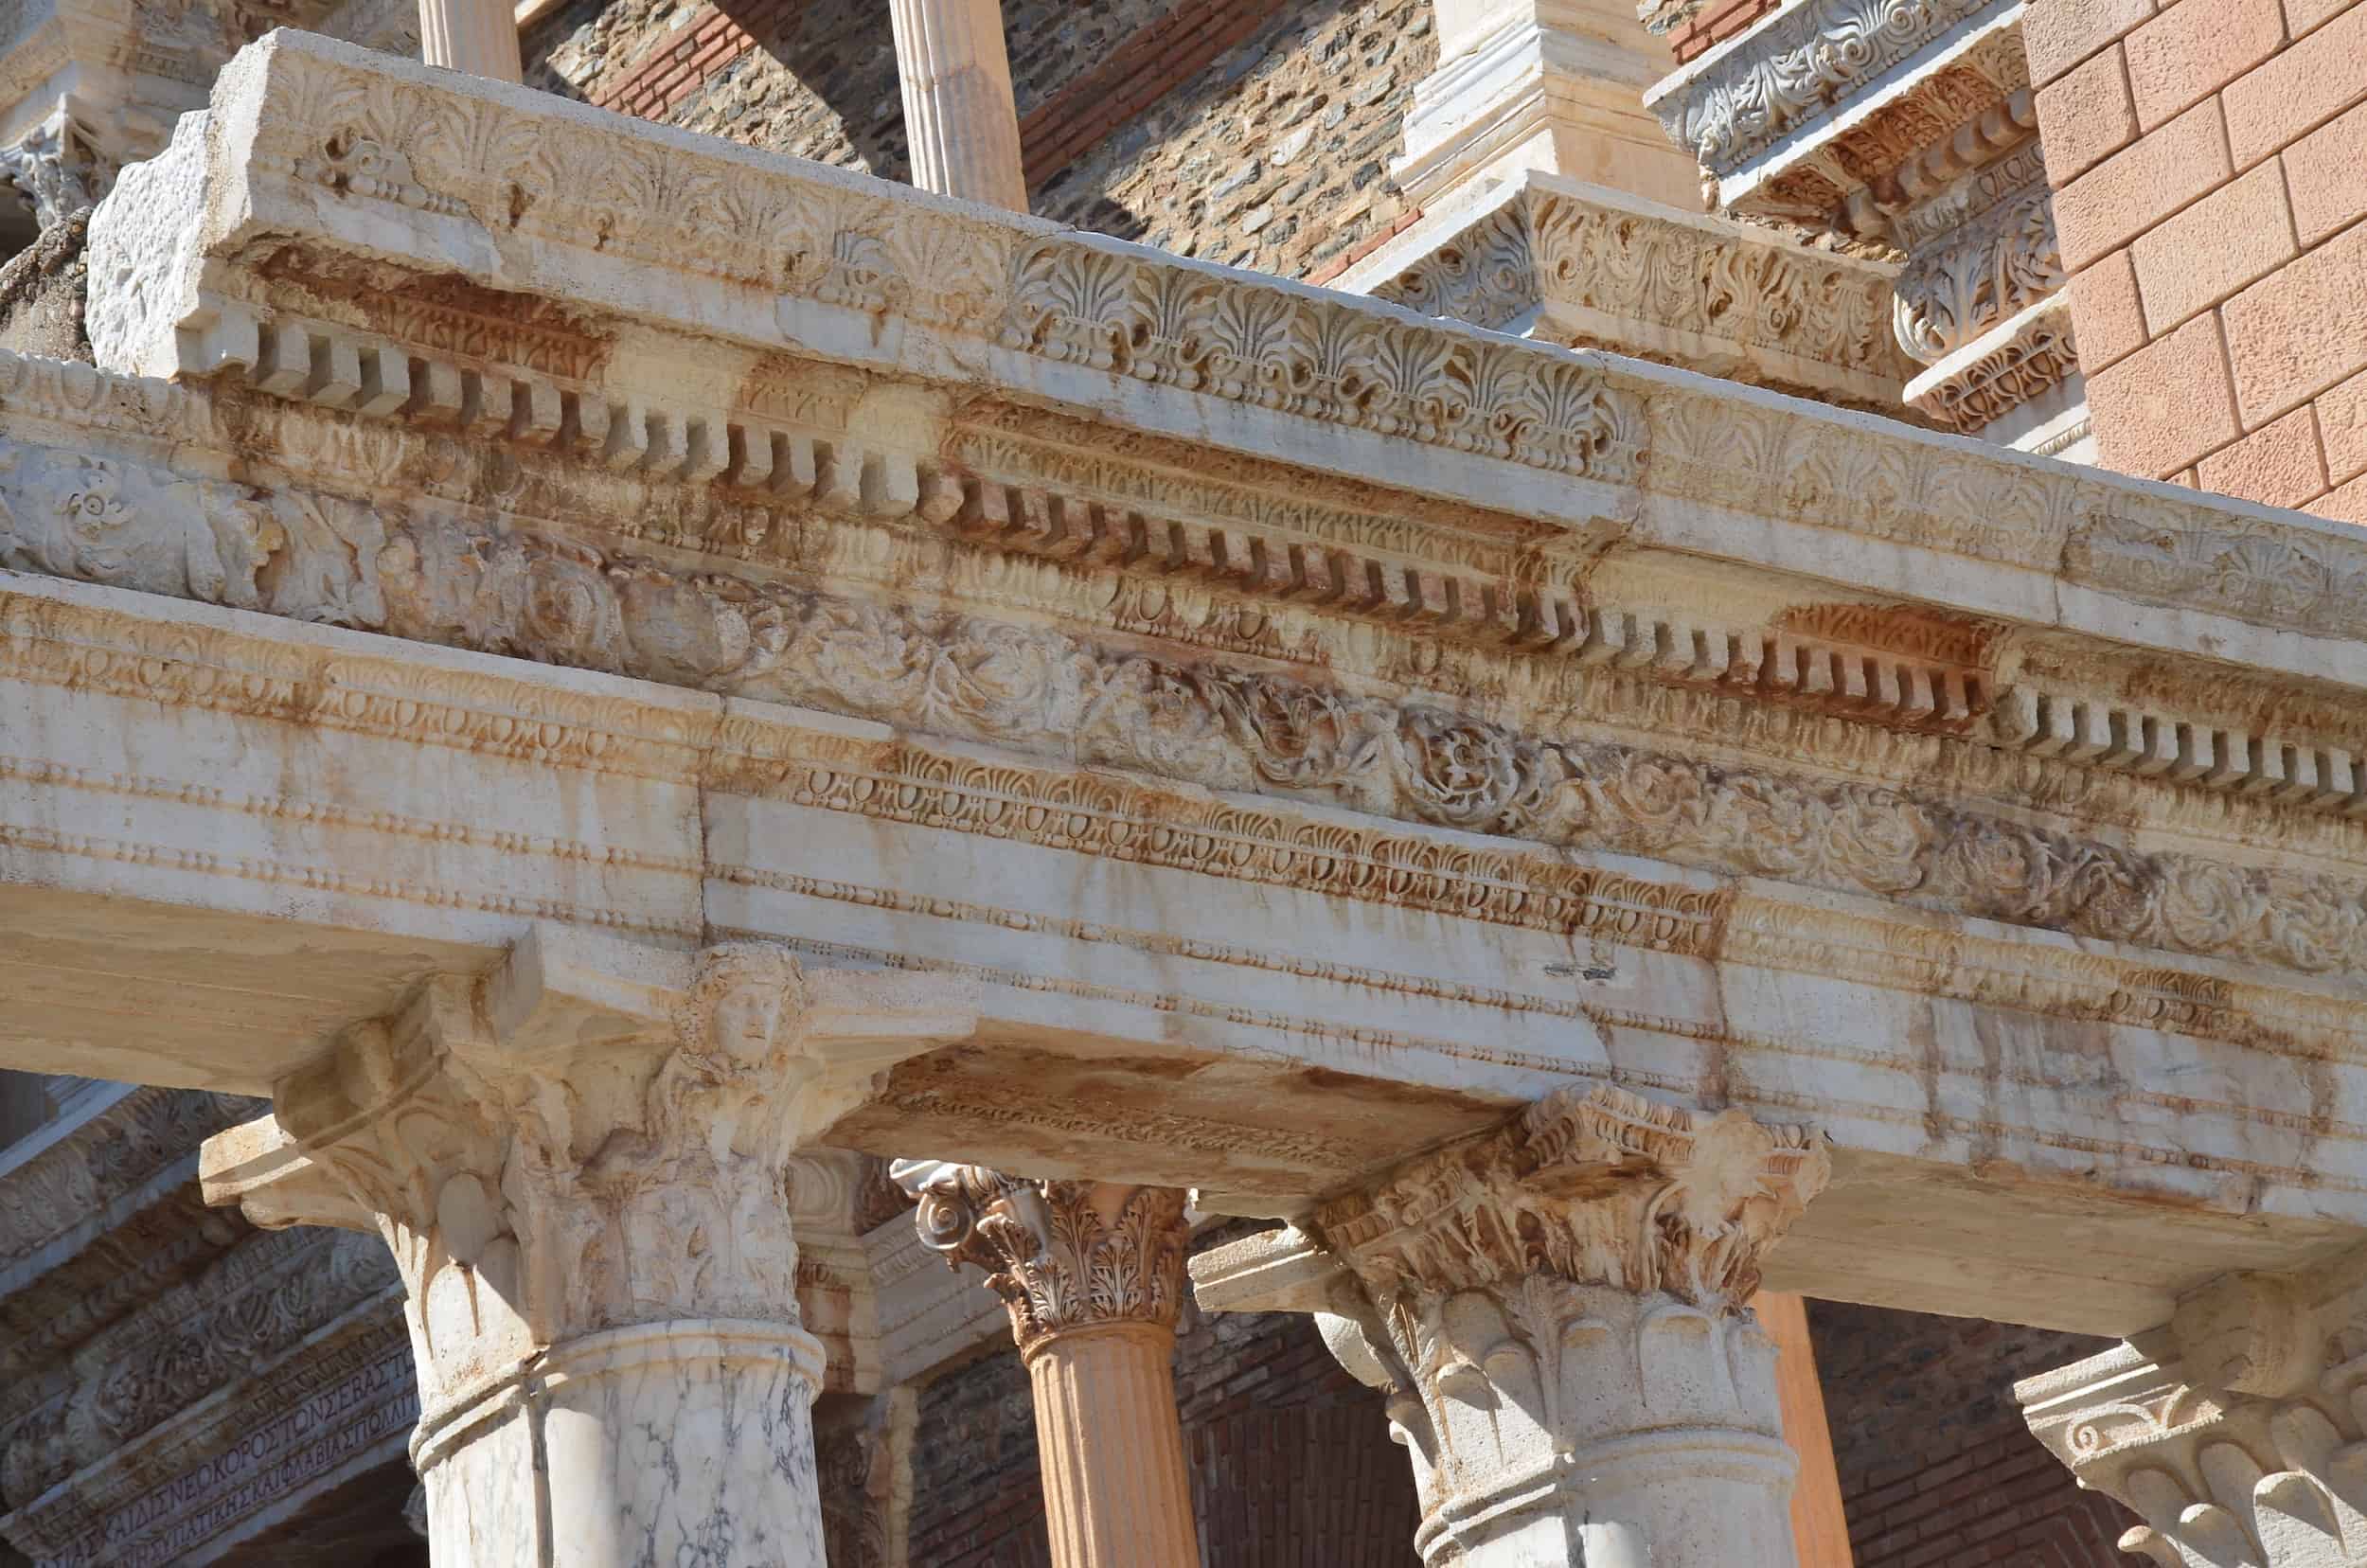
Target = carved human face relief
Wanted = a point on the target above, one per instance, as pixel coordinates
(746, 1018)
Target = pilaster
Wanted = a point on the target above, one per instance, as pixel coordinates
(1093, 1274)
(1557, 1314)
(579, 1165)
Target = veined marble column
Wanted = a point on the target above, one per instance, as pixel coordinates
(1556, 1312)
(2237, 1432)
(579, 1163)
(959, 118)
(476, 36)
(1093, 1272)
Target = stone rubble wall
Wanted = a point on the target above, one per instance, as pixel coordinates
(1246, 132)
(2210, 172)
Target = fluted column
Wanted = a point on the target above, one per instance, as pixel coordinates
(476, 36)
(1092, 1274)
(959, 118)
(2237, 1431)
(1556, 1312)
(579, 1163)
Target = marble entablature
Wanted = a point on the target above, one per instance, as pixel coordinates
(1723, 724)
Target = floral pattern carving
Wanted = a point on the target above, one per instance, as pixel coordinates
(2004, 259)
(1580, 1274)
(1664, 274)
(1597, 1187)
(1805, 61)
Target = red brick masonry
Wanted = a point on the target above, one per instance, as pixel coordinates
(2209, 159)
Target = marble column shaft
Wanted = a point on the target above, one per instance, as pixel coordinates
(960, 122)
(1092, 1274)
(579, 1163)
(1555, 1313)
(476, 36)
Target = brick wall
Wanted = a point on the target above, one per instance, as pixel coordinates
(1253, 132)
(1292, 1462)
(1937, 1470)
(2209, 159)
(1714, 23)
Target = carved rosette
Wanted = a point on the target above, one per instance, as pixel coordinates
(1062, 1255)
(1555, 1314)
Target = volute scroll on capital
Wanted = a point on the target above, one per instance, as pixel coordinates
(1062, 1255)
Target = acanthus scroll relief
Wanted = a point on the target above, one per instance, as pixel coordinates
(434, 579)
(1808, 60)
(2005, 260)
(1062, 1255)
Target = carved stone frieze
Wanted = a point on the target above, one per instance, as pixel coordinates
(1993, 265)
(1042, 690)
(2021, 360)
(1062, 1255)
(1739, 101)
(1578, 265)
(1978, 168)
(1008, 288)
(125, 1140)
(180, 1377)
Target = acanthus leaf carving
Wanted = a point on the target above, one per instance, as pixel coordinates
(1579, 1274)
(1062, 1255)
(553, 1156)
(1561, 250)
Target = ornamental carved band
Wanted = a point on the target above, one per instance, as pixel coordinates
(1599, 1188)
(1061, 1255)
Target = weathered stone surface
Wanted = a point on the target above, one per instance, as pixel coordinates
(1556, 1315)
(579, 1166)
(1312, 727)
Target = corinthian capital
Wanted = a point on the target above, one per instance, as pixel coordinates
(1599, 1188)
(1062, 1255)
(2237, 1432)
(1555, 1313)
(597, 1134)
